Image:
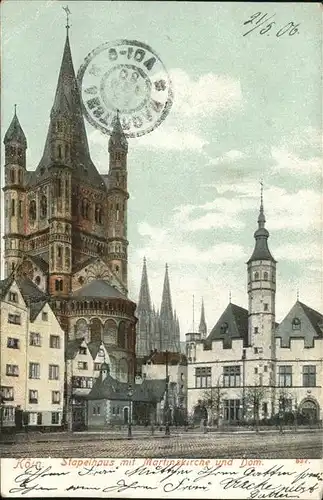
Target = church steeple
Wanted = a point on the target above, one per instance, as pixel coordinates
(144, 302)
(117, 141)
(202, 325)
(66, 143)
(15, 132)
(166, 309)
(261, 235)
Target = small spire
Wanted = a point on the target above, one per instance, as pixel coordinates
(230, 296)
(202, 326)
(297, 294)
(15, 112)
(261, 218)
(68, 12)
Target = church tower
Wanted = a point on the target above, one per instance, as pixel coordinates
(202, 325)
(144, 312)
(14, 194)
(168, 331)
(262, 290)
(117, 203)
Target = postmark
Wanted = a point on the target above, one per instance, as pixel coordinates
(129, 77)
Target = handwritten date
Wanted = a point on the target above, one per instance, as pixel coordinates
(260, 21)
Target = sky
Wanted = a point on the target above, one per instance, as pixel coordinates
(245, 108)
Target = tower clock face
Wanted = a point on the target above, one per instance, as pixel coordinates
(127, 78)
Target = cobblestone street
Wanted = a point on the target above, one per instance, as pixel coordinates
(186, 445)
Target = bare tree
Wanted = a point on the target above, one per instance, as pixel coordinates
(253, 398)
(212, 399)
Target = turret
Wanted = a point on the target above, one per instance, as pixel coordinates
(117, 202)
(145, 325)
(202, 325)
(262, 289)
(14, 194)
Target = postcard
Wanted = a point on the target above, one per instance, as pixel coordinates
(161, 250)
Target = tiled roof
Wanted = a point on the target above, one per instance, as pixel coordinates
(98, 289)
(314, 317)
(110, 388)
(94, 348)
(42, 264)
(159, 358)
(72, 348)
(35, 309)
(80, 265)
(236, 318)
(30, 291)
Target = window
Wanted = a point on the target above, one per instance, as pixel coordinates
(231, 376)
(82, 382)
(285, 376)
(256, 329)
(82, 365)
(255, 350)
(56, 397)
(224, 328)
(34, 370)
(97, 366)
(37, 280)
(12, 370)
(256, 371)
(266, 307)
(59, 151)
(182, 376)
(12, 343)
(8, 414)
(96, 410)
(203, 377)
(33, 396)
(309, 376)
(13, 297)
(296, 324)
(232, 409)
(58, 188)
(265, 368)
(32, 210)
(285, 403)
(265, 276)
(12, 176)
(82, 350)
(7, 393)
(85, 209)
(20, 209)
(13, 208)
(43, 207)
(34, 339)
(55, 417)
(53, 372)
(14, 319)
(44, 316)
(256, 276)
(58, 285)
(98, 214)
(265, 409)
(54, 341)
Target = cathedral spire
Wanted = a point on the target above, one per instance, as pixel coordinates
(144, 302)
(202, 325)
(166, 309)
(117, 139)
(261, 235)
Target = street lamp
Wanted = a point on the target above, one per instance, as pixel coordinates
(130, 394)
(167, 430)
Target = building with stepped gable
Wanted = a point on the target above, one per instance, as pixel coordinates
(251, 367)
(156, 330)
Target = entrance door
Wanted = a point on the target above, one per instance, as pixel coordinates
(126, 415)
(309, 410)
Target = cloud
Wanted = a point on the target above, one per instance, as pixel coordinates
(169, 138)
(285, 160)
(298, 251)
(207, 95)
(229, 157)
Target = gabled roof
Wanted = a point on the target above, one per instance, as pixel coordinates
(159, 358)
(314, 317)
(98, 289)
(236, 318)
(5, 285)
(72, 348)
(35, 309)
(94, 348)
(80, 265)
(30, 291)
(110, 388)
(41, 263)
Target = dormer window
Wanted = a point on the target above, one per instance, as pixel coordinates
(224, 328)
(296, 324)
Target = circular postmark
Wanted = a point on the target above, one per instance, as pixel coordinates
(127, 77)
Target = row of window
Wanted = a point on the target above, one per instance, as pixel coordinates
(8, 395)
(82, 382)
(15, 318)
(231, 376)
(34, 371)
(35, 340)
(34, 418)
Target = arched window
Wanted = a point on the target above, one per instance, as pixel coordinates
(296, 324)
(256, 275)
(58, 188)
(20, 209)
(66, 150)
(129, 337)
(13, 207)
(32, 210)
(224, 328)
(58, 285)
(80, 329)
(85, 208)
(265, 276)
(67, 257)
(122, 335)
(20, 176)
(59, 255)
(43, 207)
(98, 213)
(12, 176)
(59, 149)
(96, 330)
(37, 280)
